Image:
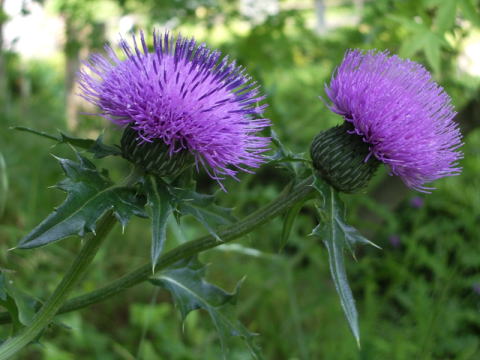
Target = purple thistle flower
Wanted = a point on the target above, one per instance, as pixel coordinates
(476, 288)
(417, 202)
(404, 116)
(395, 240)
(185, 94)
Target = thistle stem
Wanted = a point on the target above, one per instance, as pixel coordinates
(300, 192)
(78, 268)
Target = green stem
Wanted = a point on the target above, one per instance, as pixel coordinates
(53, 304)
(300, 192)
(51, 307)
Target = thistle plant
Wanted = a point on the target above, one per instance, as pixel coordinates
(185, 109)
(185, 95)
(401, 115)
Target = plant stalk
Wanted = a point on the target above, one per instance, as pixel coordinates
(80, 265)
(300, 192)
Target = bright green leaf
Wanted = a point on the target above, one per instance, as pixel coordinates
(159, 200)
(413, 44)
(470, 11)
(432, 52)
(445, 17)
(190, 291)
(90, 194)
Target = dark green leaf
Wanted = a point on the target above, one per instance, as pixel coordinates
(190, 291)
(159, 200)
(337, 269)
(90, 194)
(20, 306)
(36, 132)
(96, 147)
(333, 209)
(288, 222)
(3, 185)
(203, 208)
(3, 288)
(337, 236)
(284, 157)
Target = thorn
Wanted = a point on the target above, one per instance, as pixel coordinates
(13, 248)
(74, 150)
(375, 245)
(56, 157)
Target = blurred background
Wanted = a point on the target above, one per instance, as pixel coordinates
(418, 297)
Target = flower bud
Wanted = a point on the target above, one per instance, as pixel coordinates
(342, 158)
(154, 157)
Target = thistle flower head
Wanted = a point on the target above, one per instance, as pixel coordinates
(185, 95)
(400, 112)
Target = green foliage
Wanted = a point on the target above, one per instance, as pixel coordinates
(285, 158)
(20, 306)
(203, 208)
(159, 200)
(3, 185)
(90, 195)
(96, 147)
(186, 283)
(288, 223)
(337, 236)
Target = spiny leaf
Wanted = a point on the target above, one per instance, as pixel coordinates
(96, 147)
(337, 236)
(20, 306)
(3, 185)
(159, 200)
(3, 288)
(190, 291)
(288, 222)
(333, 211)
(90, 194)
(339, 275)
(203, 208)
(36, 132)
(284, 157)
